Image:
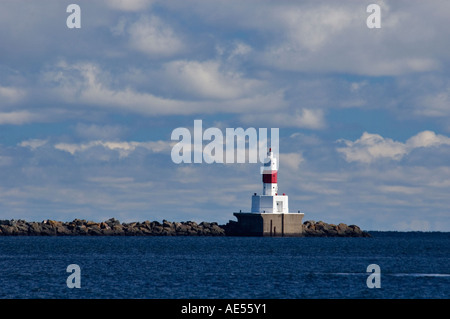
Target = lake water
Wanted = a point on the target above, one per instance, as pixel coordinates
(412, 265)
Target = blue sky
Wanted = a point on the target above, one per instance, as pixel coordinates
(86, 114)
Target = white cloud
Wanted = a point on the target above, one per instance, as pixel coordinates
(371, 147)
(124, 148)
(311, 28)
(292, 161)
(427, 139)
(129, 5)
(10, 95)
(93, 131)
(240, 49)
(435, 105)
(299, 118)
(152, 36)
(17, 118)
(316, 36)
(209, 80)
(406, 190)
(33, 143)
(86, 83)
(234, 51)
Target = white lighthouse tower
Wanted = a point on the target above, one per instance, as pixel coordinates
(270, 211)
(269, 175)
(270, 201)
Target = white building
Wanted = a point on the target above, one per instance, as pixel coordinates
(270, 201)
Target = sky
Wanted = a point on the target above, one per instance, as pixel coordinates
(86, 114)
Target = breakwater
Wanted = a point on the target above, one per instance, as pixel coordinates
(113, 227)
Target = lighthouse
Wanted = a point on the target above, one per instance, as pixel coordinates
(269, 175)
(269, 215)
(270, 201)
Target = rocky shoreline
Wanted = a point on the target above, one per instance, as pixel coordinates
(112, 227)
(321, 229)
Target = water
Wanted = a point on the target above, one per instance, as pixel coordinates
(413, 265)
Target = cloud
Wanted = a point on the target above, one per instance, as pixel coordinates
(292, 161)
(319, 36)
(371, 147)
(406, 190)
(209, 80)
(153, 37)
(129, 5)
(435, 105)
(310, 28)
(298, 118)
(87, 83)
(102, 132)
(427, 139)
(9, 95)
(33, 143)
(17, 118)
(123, 148)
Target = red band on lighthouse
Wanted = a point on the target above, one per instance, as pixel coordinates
(270, 178)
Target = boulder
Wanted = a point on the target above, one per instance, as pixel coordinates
(94, 230)
(112, 222)
(48, 230)
(322, 229)
(157, 229)
(7, 230)
(216, 230)
(182, 228)
(167, 224)
(205, 224)
(34, 229)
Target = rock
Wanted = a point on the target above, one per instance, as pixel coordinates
(118, 230)
(192, 232)
(81, 230)
(112, 222)
(7, 230)
(182, 228)
(94, 230)
(167, 224)
(22, 227)
(79, 222)
(34, 229)
(192, 224)
(155, 223)
(205, 224)
(322, 229)
(52, 223)
(157, 229)
(216, 230)
(48, 230)
(113, 227)
(104, 225)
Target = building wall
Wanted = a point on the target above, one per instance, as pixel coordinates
(270, 224)
(269, 204)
